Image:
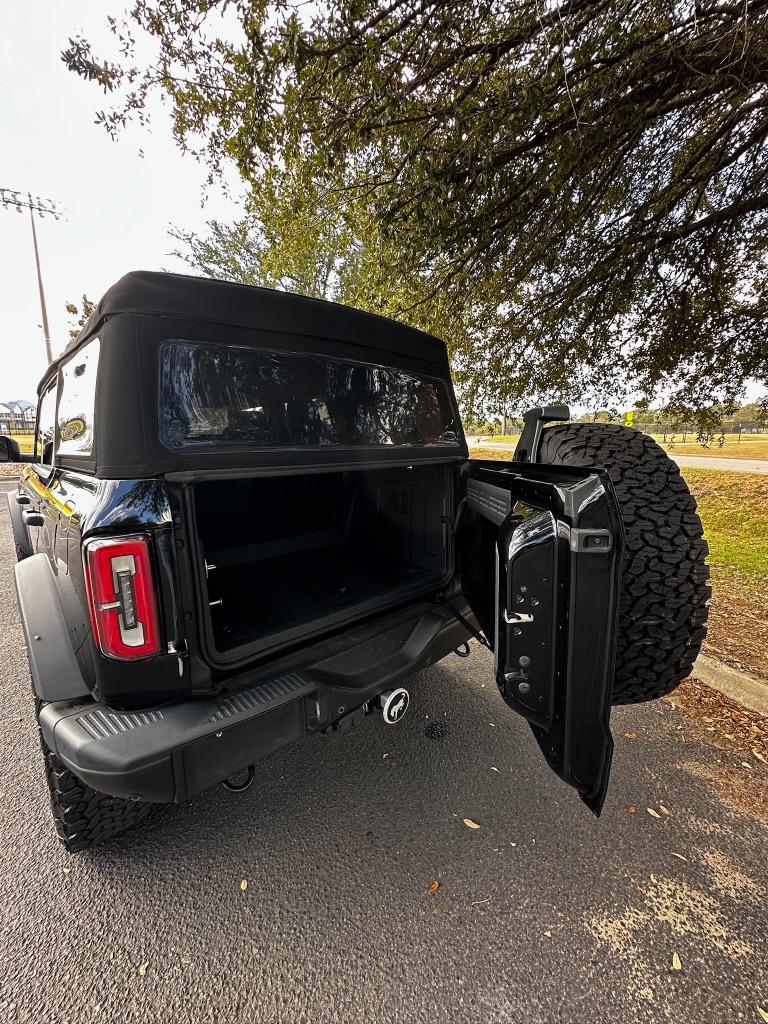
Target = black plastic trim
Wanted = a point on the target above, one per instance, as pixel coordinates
(171, 753)
(55, 672)
(527, 449)
(20, 529)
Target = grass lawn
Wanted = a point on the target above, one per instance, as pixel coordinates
(734, 510)
(26, 442)
(506, 438)
(751, 446)
(748, 446)
(735, 516)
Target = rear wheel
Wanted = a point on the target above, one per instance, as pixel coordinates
(84, 817)
(665, 593)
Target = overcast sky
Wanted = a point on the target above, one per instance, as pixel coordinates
(118, 206)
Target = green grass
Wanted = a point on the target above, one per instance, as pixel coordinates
(26, 442)
(734, 510)
(750, 446)
(506, 438)
(735, 446)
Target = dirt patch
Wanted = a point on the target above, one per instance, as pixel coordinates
(738, 767)
(723, 722)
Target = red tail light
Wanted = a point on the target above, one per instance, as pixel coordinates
(121, 596)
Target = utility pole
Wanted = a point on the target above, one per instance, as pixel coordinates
(18, 201)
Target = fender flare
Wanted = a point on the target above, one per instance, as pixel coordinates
(53, 666)
(20, 531)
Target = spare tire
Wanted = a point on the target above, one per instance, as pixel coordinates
(665, 591)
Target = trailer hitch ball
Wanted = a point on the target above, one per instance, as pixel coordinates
(394, 704)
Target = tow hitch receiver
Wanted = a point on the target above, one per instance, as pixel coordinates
(240, 781)
(394, 705)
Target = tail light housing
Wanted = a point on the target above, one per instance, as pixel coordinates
(121, 596)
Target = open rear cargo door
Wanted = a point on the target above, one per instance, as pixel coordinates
(540, 554)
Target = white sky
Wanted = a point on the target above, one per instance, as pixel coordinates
(118, 206)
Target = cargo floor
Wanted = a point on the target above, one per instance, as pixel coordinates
(273, 595)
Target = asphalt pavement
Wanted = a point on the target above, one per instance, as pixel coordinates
(543, 914)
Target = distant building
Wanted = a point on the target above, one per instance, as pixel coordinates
(16, 416)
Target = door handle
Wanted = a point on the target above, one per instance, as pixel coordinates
(515, 618)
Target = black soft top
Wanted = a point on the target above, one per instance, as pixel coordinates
(144, 310)
(189, 298)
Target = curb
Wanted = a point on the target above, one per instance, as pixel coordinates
(747, 690)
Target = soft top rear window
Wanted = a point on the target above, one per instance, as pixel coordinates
(225, 396)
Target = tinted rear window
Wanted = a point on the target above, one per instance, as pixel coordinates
(219, 395)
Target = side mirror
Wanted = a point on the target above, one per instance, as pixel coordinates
(9, 449)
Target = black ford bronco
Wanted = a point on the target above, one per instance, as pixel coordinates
(250, 517)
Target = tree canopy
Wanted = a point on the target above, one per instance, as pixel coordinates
(574, 194)
(297, 237)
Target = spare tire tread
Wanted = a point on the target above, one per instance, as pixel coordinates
(665, 590)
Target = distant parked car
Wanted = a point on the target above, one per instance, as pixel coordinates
(9, 449)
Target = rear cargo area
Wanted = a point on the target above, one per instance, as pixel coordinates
(291, 556)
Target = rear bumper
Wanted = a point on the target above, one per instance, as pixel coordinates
(170, 754)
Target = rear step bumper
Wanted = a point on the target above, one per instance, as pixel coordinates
(170, 754)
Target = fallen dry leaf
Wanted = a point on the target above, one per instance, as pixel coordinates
(680, 857)
(653, 877)
(244, 885)
(653, 814)
(495, 769)
(142, 968)
(663, 809)
(631, 809)
(676, 962)
(548, 934)
(434, 886)
(66, 870)
(470, 824)
(630, 734)
(746, 764)
(763, 1013)
(478, 902)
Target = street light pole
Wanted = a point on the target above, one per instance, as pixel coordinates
(16, 200)
(43, 310)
